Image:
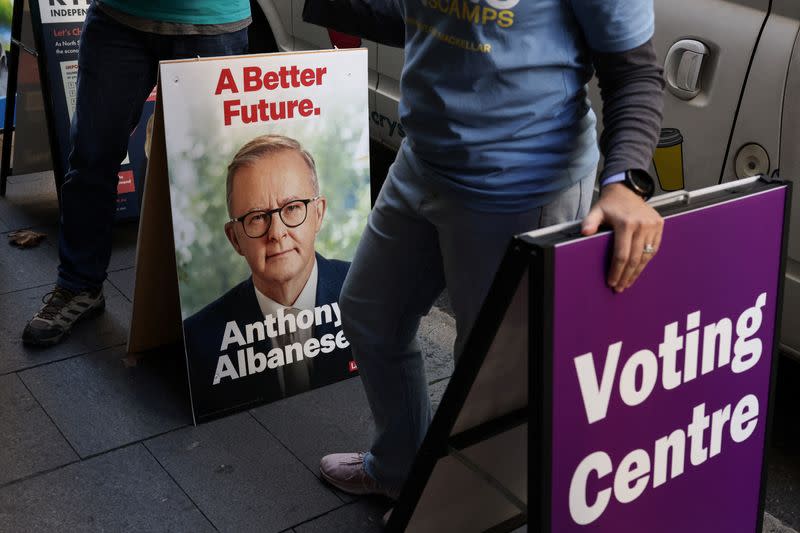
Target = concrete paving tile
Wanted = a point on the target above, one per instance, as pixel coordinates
(29, 441)
(783, 485)
(773, 525)
(109, 329)
(125, 490)
(29, 267)
(241, 477)
(124, 281)
(108, 399)
(363, 516)
(437, 333)
(30, 201)
(331, 419)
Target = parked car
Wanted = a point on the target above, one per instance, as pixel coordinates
(732, 105)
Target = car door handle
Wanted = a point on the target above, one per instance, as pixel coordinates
(683, 67)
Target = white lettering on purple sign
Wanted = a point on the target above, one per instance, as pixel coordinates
(703, 436)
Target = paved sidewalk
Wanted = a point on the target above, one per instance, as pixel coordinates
(92, 439)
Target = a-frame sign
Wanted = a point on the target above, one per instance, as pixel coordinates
(574, 408)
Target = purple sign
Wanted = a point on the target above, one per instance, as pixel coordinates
(660, 393)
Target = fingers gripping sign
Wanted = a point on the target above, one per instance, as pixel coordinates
(637, 232)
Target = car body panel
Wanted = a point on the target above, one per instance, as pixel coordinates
(790, 169)
(705, 121)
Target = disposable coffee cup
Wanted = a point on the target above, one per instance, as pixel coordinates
(668, 160)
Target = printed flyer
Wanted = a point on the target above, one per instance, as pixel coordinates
(268, 163)
(58, 28)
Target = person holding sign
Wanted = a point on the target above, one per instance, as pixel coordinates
(500, 141)
(121, 44)
(277, 333)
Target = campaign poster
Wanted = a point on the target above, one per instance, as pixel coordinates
(268, 162)
(58, 28)
(6, 9)
(661, 394)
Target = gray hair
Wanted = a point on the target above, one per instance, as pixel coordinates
(262, 146)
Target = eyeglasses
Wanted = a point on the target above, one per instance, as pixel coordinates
(256, 223)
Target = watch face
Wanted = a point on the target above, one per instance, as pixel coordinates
(642, 183)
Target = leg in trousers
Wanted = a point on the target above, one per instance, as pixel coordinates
(116, 72)
(413, 232)
(395, 277)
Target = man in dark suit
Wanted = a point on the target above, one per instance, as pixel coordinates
(278, 332)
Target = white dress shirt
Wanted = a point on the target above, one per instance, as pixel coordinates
(294, 377)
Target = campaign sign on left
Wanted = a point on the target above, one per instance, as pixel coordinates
(660, 395)
(59, 27)
(268, 161)
(6, 8)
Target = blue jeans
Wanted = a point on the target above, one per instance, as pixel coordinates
(417, 241)
(117, 69)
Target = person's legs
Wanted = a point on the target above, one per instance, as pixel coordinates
(115, 75)
(473, 245)
(117, 69)
(395, 277)
(381, 321)
(116, 72)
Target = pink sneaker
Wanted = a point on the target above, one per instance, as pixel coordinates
(345, 471)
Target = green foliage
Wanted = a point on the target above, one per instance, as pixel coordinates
(208, 266)
(6, 11)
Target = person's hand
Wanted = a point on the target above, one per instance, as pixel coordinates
(637, 232)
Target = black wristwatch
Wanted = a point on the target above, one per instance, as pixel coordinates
(640, 182)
